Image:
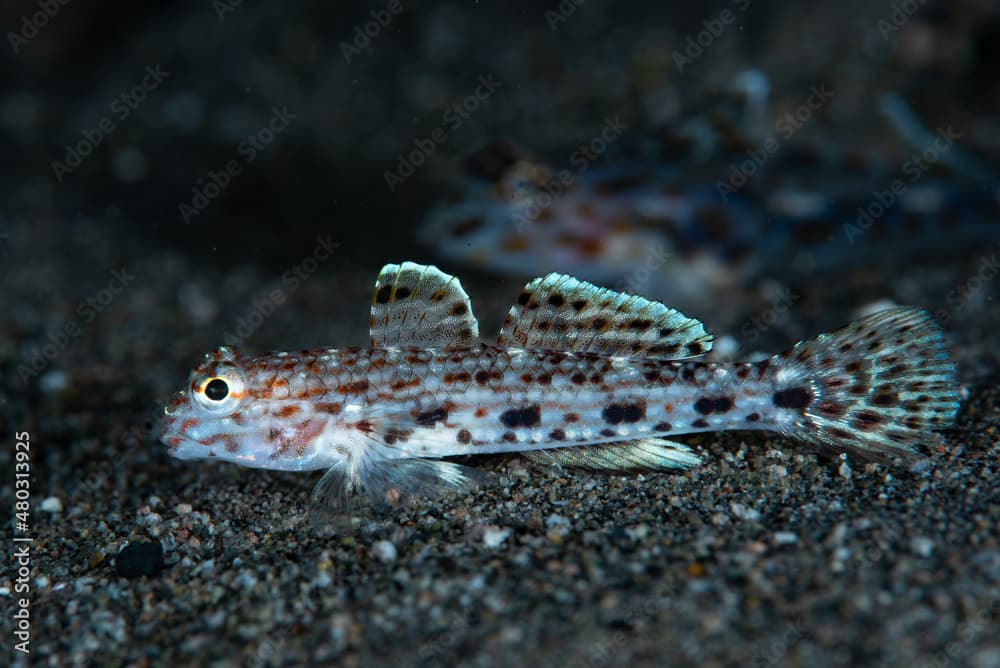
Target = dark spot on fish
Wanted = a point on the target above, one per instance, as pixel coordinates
(832, 408)
(579, 304)
(482, 377)
(463, 436)
(666, 331)
(866, 420)
(664, 349)
(793, 397)
(743, 372)
(431, 417)
(509, 436)
(579, 378)
(662, 426)
(459, 308)
(598, 323)
(529, 416)
(753, 417)
(557, 300)
(402, 292)
(619, 413)
(523, 298)
(640, 324)
(382, 296)
(466, 226)
(695, 348)
(700, 423)
(896, 371)
(571, 417)
(557, 435)
(884, 396)
(608, 433)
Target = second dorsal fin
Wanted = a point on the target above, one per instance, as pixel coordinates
(420, 305)
(559, 312)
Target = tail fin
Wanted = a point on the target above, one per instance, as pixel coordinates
(878, 385)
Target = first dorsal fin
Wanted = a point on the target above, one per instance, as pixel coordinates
(559, 312)
(420, 305)
(648, 453)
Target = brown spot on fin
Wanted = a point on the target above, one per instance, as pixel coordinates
(559, 312)
(420, 305)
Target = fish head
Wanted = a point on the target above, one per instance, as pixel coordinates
(212, 416)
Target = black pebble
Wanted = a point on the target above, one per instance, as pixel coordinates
(137, 559)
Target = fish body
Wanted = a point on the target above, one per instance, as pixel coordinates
(701, 236)
(579, 375)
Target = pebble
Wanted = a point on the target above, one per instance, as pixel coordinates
(922, 546)
(744, 512)
(494, 536)
(384, 551)
(52, 504)
(139, 558)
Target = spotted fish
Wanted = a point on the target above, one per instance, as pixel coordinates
(579, 375)
(695, 234)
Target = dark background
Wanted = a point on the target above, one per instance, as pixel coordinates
(884, 565)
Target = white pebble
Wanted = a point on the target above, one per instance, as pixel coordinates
(384, 551)
(53, 381)
(744, 512)
(52, 505)
(922, 546)
(785, 538)
(495, 536)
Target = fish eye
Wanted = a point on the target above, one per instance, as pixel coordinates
(217, 389)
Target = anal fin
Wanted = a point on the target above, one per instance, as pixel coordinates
(647, 453)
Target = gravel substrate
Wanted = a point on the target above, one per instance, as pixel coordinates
(768, 554)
